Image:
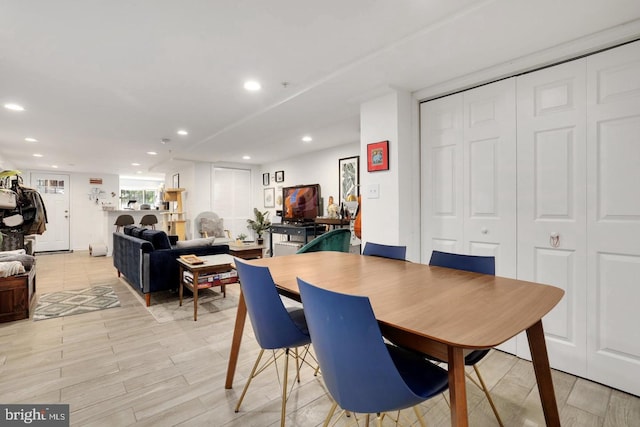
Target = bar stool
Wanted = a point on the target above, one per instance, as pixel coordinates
(149, 220)
(123, 220)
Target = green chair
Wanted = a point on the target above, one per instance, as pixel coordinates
(335, 240)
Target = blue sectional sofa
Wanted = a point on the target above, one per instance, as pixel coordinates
(147, 259)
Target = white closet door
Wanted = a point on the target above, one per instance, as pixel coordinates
(442, 191)
(613, 217)
(552, 203)
(469, 178)
(489, 179)
(490, 174)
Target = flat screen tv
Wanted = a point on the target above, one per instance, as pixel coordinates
(301, 203)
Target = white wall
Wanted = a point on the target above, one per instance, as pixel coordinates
(320, 167)
(392, 218)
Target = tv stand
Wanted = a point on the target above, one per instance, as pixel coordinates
(301, 229)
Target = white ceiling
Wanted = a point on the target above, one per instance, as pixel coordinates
(103, 81)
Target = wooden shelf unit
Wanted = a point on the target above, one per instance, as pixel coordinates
(174, 221)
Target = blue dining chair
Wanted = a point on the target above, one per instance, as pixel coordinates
(335, 240)
(362, 373)
(275, 326)
(476, 264)
(385, 251)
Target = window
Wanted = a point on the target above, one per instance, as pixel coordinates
(139, 191)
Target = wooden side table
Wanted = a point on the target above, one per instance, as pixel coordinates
(246, 251)
(212, 264)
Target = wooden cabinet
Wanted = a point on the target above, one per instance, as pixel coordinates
(16, 296)
(175, 221)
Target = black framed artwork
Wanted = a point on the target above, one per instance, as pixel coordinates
(265, 179)
(348, 178)
(279, 176)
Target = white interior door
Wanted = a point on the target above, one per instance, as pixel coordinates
(613, 217)
(54, 190)
(490, 174)
(468, 146)
(552, 238)
(442, 160)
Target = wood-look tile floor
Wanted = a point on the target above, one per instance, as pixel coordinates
(120, 367)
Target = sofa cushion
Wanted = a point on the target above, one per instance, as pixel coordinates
(205, 241)
(157, 238)
(137, 232)
(127, 229)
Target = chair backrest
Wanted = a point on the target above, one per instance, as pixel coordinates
(355, 363)
(385, 251)
(474, 263)
(272, 324)
(149, 219)
(124, 219)
(335, 240)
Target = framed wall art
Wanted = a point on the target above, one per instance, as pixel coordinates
(175, 180)
(378, 156)
(270, 197)
(348, 178)
(279, 176)
(265, 179)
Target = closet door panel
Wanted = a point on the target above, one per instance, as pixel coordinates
(613, 108)
(490, 177)
(441, 148)
(490, 174)
(552, 203)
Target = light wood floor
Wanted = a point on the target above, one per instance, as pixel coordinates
(121, 367)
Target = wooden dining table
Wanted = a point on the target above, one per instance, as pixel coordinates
(439, 311)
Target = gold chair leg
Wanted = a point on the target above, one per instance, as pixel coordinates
(330, 414)
(486, 392)
(419, 415)
(246, 386)
(283, 411)
(378, 419)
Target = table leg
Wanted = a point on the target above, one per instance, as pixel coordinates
(538, 347)
(181, 284)
(195, 295)
(241, 316)
(457, 388)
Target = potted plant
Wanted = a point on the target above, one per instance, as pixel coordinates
(240, 238)
(260, 224)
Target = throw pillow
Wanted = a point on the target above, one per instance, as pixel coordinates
(212, 227)
(158, 238)
(205, 241)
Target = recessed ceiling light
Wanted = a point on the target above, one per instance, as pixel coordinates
(182, 132)
(307, 138)
(151, 153)
(54, 166)
(38, 155)
(14, 107)
(139, 172)
(28, 139)
(252, 85)
(135, 164)
(246, 157)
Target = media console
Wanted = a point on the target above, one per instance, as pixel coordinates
(304, 230)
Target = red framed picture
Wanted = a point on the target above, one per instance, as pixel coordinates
(378, 156)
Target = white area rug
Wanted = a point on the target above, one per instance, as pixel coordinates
(76, 301)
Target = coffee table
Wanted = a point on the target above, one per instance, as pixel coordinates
(212, 264)
(246, 251)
